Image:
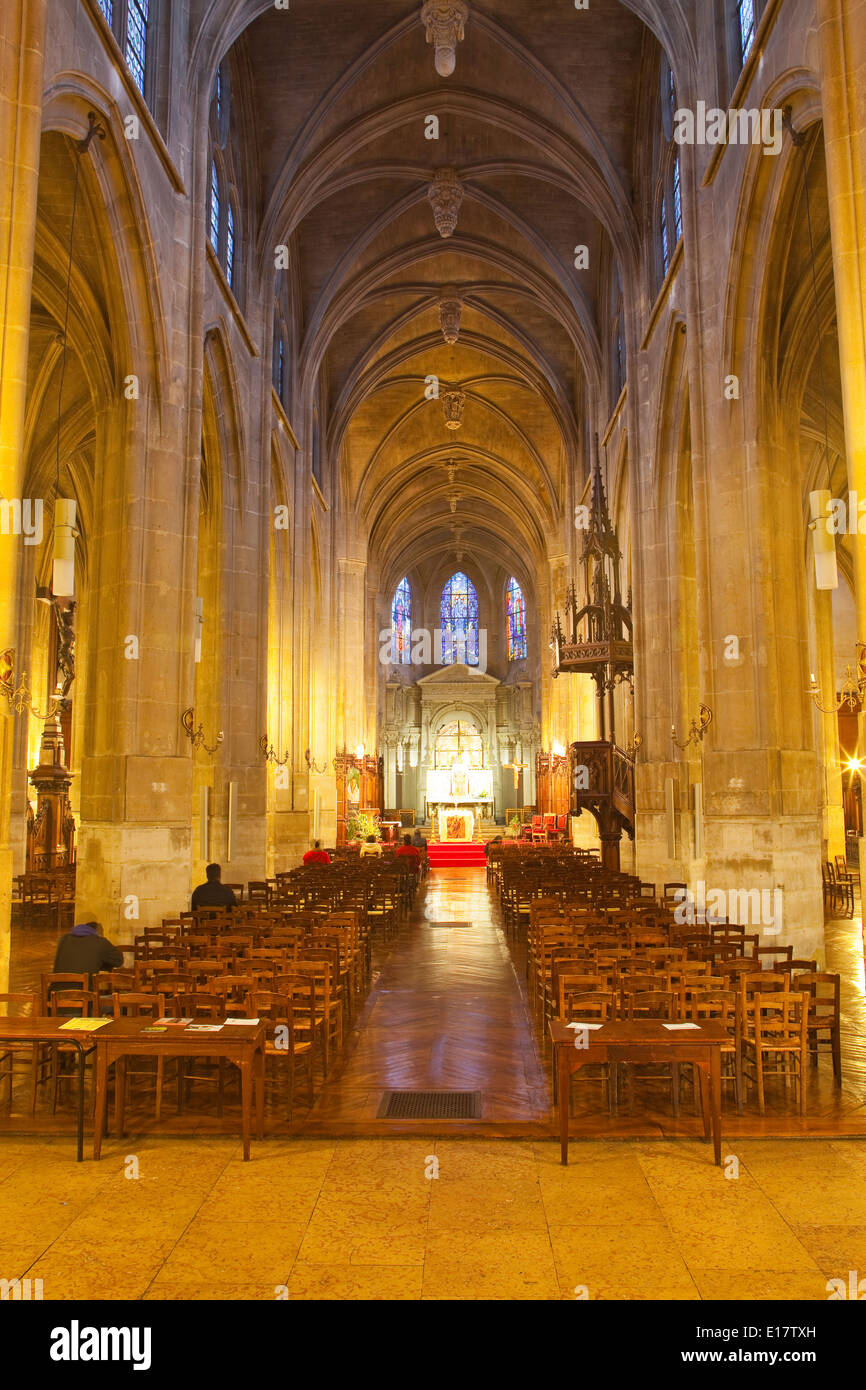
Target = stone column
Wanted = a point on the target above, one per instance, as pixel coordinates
(22, 32)
(135, 840)
(842, 34)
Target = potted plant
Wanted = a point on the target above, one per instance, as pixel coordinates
(514, 827)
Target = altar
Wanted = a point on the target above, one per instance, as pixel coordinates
(456, 824)
(468, 791)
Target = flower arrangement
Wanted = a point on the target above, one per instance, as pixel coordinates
(360, 824)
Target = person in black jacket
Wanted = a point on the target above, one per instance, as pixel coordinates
(213, 893)
(84, 951)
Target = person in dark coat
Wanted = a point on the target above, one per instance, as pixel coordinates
(213, 893)
(85, 951)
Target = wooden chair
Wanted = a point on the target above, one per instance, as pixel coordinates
(281, 1043)
(721, 1005)
(138, 1004)
(72, 1003)
(781, 1021)
(22, 1004)
(823, 990)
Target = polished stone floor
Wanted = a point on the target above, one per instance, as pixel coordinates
(447, 1219)
(347, 1206)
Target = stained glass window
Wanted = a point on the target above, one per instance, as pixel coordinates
(666, 255)
(459, 621)
(515, 611)
(136, 40)
(230, 244)
(746, 26)
(401, 624)
(107, 9)
(218, 95)
(214, 208)
(678, 201)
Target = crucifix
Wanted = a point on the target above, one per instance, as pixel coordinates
(517, 768)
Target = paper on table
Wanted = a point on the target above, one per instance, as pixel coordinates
(85, 1025)
(204, 1027)
(676, 1027)
(235, 1021)
(584, 1025)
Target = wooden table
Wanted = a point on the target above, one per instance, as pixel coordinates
(44, 1029)
(641, 1041)
(243, 1045)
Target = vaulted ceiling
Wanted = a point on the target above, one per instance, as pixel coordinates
(540, 121)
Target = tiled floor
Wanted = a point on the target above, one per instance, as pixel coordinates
(443, 1219)
(483, 1213)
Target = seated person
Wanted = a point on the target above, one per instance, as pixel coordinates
(317, 855)
(409, 851)
(419, 841)
(497, 840)
(84, 951)
(213, 893)
(371, 846)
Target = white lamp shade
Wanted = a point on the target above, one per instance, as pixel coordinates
(823, 541)
(63, 582)
(199, 624)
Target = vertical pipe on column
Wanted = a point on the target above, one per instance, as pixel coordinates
(204, 823)
(699, 820)
(230, 836)
(670, 818)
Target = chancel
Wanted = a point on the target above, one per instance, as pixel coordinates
(431, 435)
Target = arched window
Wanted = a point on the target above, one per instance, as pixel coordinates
(401, 624)
(746, 24)
(230, 244)
(135, 51)
(678, 201)
(665, 238)
(515, 612)
(459, 621)
(214, 220)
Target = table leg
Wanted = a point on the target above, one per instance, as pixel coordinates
(563, 1078)
(245, 1064)
(260, 1092)
(706, 1106)
(81, 1060)
(101, 1098)
(716, 1100)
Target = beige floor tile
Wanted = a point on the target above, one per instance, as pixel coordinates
(349, 1282)
(224, 1252)
(330, 1241)
(758, 1285)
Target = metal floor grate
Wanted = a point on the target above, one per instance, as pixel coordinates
(430, 1105)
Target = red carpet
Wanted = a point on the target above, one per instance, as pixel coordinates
(454, 855)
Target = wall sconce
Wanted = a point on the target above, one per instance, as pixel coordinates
(196, 736)
(312, 765)
(697, 729)
(270, 755)
(558, 750)
(851, 690)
